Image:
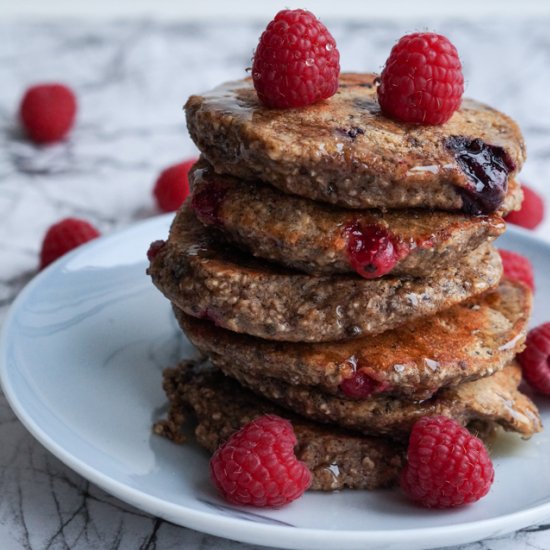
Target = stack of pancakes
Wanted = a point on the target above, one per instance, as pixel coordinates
(261, 267)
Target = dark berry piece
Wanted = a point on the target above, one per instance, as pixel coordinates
(296, 62)
(154, 248)
(211, 314)
(47, 112)
(487, 168)
(360, 385)
(352, 132)
(422, 80)
(207, 203)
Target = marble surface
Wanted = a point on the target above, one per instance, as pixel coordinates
(132, 78)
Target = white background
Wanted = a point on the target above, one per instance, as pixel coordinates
(262, 9)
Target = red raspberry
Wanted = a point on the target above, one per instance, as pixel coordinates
(47, 112)
(517, 268)
(208, 202)
(535, 359)
(296, 62)
(446, 465)
(422, 81)
(63, 237)
(531, 213)
(360, 385)
(257, 465)
(172, 186)
(154, 248)
(372, 251)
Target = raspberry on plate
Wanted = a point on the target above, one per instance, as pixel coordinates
(422, 80)
(47, 112)
(517, 268)
(63, 237)
(446, 466)
(535, 359)
(257, 465)
(531, 213)
(172, 186)
(296, 62)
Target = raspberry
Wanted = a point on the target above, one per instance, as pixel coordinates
(257, 465)
(531, 213)
(360, 386)
(207, 203)
(517, 268)
(296, 62)
(63, 237)
(172, 186)
(372, 251)
(154, 248)
(422, 81)
(446, 465)
(535, 359)
(47, 112)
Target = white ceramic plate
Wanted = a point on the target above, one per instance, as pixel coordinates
(81, 358)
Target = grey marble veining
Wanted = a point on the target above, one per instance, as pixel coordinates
(132, 79)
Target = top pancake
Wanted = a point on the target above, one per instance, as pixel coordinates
(344, 151)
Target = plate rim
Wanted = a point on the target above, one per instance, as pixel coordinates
(234, 527)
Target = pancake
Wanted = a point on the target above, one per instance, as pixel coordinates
(337, 458)
(468, 341)
(491, 400)
(207, 279)
(344, 151)
(322, 240)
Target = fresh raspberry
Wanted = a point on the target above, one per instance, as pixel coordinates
(446, 465)
(535, 359)
(63, 237)
(257, 465)
(296, 62)
(47, 112)
(531, 213)
(517, 268)
(172, 186)
(422, 81)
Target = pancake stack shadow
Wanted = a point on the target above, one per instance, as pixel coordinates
(337, 269)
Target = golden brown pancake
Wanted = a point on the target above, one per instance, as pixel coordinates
(207, 279)
(321, 239)
(471, 340)
(344, 151)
